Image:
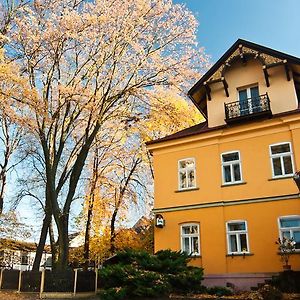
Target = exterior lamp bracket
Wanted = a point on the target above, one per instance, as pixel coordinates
(159, 221)
(297, 179)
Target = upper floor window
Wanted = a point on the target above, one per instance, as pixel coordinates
(249, 100)
(231, 167)
(281, 160)
(237, 237)
(187, 173)
(190, 241)
(289, 227)
(24, 258)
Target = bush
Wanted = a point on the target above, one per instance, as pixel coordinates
(287, 282)
(113, 294)
(269, 292)
(139, 274)
(219, 291)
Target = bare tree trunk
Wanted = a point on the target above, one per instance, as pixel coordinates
(95, 176)
(42, 242)
(86, 253)
(63, 243)
(53, 245)
(118, 202)
(113, 231)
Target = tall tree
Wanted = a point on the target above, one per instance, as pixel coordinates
(84, 63)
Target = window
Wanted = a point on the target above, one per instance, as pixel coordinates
(289, 227)
(231, 167)
(190, 239)
(281, 160)
(237, 237)
(187, 173)
(249, 100)
(24, 258)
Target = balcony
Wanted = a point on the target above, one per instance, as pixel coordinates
(248, 109)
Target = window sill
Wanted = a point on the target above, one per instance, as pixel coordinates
(234, 183)
(187, 190)
(239, 254)
(196, 256)
(281, 177)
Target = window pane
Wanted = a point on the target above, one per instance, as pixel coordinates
(191, 178)
(243, 95)
(230, 156)
(194, 229)
(236, 226)
(182, 164)
(232, 243)
(292, 222)
(195, 245)
(286, 234)
(183, 179)
(296, 235)
(186, 245)
(288, 168)
(236, 172)
(254, 92)
(227, 174)
(277, 166)
(280, 148)
(243, 242)
(186, 230)
(189, 163)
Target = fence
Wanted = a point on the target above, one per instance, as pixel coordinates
(72, 281)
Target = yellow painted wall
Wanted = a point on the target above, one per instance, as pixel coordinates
(252, 140)
(281, 92)
(262, 221)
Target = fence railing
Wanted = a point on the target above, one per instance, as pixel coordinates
(249, 107)
(46, 281)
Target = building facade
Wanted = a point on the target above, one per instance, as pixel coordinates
(224, 188)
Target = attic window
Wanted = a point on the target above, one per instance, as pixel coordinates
(249, 100)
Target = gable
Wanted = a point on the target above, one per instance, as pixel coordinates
(242, 51)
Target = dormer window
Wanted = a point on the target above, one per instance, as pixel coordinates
(249, 100)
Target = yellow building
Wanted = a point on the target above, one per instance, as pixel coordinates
(224, 189)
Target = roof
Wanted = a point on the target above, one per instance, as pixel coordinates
(10, 244)
(230, 51)
(203, 128)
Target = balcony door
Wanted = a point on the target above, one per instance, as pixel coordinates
(249, 100)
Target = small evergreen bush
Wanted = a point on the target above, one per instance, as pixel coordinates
(219, 291)
(139, 274)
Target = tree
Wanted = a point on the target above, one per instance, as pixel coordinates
(86, 63)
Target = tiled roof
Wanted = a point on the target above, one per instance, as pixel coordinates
(203, 127)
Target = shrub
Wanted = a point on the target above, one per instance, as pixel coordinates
(139, 274)
(269, 292)
(219, 291)
(113, 294)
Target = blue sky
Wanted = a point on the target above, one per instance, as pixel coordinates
(272, 23)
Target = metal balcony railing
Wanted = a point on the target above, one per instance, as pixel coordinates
(246, 109)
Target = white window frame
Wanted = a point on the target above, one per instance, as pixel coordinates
(230, 163)
(186, 169)
(237, 233)
(290, 229)
(190, 235)
(281, 155)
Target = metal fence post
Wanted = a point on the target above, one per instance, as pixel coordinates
(1, 278)
(96, 280)
(20, 281)
(42, 283)
(75, 281)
